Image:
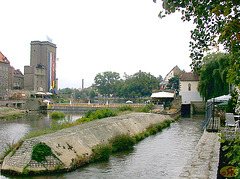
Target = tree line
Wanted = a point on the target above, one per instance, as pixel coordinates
(131, 86)
(110, 84)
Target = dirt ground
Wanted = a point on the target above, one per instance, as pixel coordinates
(6, 112)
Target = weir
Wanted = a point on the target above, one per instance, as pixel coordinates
(84, 106)
(70, 144)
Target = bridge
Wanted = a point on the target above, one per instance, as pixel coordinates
(13, 103)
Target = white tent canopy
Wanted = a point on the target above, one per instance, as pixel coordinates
(162, 95)
(220, 98)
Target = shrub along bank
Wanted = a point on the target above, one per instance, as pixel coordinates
(123, 142)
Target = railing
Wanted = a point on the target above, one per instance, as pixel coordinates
(211, 123)
(84, 105)
(208, 115)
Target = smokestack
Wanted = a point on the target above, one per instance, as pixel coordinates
(82, 83)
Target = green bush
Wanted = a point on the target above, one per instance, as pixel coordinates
(57, 115)
(125, 108)
(152, 129)
(99, 114)
(139, 137)
(146, 108)
(40, 151)
(232, 152)
(101, 152)
(122, 142)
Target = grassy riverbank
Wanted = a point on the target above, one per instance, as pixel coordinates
(11, 113)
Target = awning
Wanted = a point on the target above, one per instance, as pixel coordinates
(162, 95)
(220, 98)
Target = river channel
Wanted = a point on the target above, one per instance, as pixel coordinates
(159, 156)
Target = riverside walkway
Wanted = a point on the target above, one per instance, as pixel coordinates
(203, 163)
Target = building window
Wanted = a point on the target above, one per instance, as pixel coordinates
(189, 87)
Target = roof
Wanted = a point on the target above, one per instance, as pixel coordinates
(3, 59)
(189, 77)
(162, 95)
(176, 70)
(18, 73)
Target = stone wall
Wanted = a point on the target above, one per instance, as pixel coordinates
(197, 107)
(68, 144)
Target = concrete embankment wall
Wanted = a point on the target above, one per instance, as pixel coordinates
(68, 144)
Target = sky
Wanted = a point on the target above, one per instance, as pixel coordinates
(94, 36)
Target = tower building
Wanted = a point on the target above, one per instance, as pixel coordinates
(41, 74)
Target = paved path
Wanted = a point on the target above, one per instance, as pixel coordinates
(203, 163)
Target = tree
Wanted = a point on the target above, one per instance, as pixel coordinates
(217, 22)
(139, 84)
(107, 82)
(213, 75)
(174, 81)
(160, 78)
(66, 91)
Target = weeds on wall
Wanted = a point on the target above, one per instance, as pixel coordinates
(40, 152)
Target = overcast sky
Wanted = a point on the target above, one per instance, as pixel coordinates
(94, 36)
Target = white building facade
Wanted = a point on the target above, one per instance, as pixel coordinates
(188, 84)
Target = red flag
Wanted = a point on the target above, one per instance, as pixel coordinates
(162, 87)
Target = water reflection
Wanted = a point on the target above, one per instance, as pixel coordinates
(12, 130)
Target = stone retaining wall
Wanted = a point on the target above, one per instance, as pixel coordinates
(68, 144)
(203, 162)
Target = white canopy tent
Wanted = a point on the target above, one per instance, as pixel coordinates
(162, 95)
(220, 98)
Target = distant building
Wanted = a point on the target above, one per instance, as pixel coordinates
(17, 79)
(175, 71)
(188, 84)
(5, 76)
(41, 74)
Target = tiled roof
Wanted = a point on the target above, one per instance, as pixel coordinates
(18, 73)
(3, 59)
(189, 77)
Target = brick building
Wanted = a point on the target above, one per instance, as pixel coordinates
(5, 76)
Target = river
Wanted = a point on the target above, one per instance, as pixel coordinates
(159, 156)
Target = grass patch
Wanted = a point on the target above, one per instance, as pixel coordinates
(99, 114)
(40, 152)
(57, 115)
(145, 109)
(125, 108)
(11, 147)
